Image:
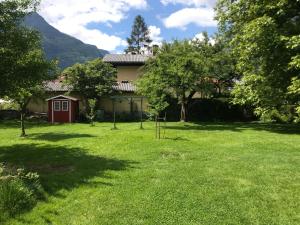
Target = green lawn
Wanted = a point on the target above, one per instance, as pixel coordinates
(200, 174)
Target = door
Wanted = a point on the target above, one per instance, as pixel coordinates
(61, 111)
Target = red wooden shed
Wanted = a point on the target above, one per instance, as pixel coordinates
(62, 109)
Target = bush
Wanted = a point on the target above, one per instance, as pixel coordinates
(210, 110)
(19, 191)
(283, 114)
(15, 197)
(9, 114)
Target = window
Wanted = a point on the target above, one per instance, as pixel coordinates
(65, 105)
(56, 105)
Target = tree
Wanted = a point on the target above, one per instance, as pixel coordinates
(92, 79)
(223, 68)
(23, 66)
(139, 41)
(264, 37)
(16, 43)
(36, 69)
(22, 97)
(154, 86)
(178, 70)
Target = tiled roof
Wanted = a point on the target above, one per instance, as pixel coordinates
(125, 58)
(124, 86)
(57, 85)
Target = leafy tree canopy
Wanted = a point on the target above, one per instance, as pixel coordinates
(22, 63)
(23, 66)
(265, 39)
(92, 79)
(179, 69)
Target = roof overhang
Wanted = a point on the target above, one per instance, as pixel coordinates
(62, 96)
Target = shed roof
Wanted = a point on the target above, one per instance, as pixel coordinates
(62, 96)
(125, 59)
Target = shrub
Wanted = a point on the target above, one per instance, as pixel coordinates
(211, 110)
(15, 197)
(19, 191)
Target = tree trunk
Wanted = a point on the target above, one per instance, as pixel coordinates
(23, 134)
(183, 112)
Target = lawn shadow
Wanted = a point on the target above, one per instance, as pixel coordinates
(61, 167)
(51, 136)
(238, 127)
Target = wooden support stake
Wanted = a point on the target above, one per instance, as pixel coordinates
(114, 111)
(165, 124)
(141, 126)
(156, 127)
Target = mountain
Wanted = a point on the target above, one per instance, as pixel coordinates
(56, 44)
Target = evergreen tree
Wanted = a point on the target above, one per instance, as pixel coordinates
(139, 41)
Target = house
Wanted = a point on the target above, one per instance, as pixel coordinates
(124, 99)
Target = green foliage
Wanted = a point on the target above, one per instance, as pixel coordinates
(92, 79)
(19, 191)
(21, 97)
(179, 70)
(211, 109)
(139, 41)
(22, 64)
(264, 38)
(9, 105)
(68, 50)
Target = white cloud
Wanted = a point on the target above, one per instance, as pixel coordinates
(201, 37)
(203, 17)
(155, 33)
(73, 16)
(196, 3)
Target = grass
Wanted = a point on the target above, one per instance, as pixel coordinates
(200, 174)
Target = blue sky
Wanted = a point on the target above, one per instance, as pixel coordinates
(107, 23)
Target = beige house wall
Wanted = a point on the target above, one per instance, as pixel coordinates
(128, 73)
(125, 73)
(123, 105)
(38, 105)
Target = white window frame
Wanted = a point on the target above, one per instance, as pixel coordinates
(54, 106)
(62, 106)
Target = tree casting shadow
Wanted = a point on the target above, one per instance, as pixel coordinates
(60, 167)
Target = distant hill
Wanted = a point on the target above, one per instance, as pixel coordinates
(56, 44)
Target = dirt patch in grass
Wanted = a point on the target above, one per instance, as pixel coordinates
(172, 155)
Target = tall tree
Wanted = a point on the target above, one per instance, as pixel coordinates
(92, 79)
(23, 65)
(15, 43)
(178, 70)
(264, 36)
(139, 40)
